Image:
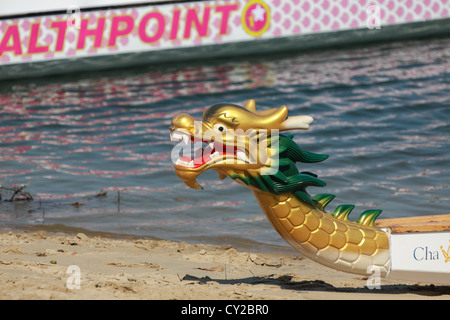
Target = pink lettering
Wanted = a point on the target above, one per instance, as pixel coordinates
(160, 28)
(225, 10)
(116, 31)
(12, 33)
(33, 46)
(97, 33)
(175, 23)
(192, 18)
(61, 36)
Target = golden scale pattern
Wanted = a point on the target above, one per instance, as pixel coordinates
(339, 244)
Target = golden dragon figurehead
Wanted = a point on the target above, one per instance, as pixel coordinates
(246, 145)
(236, 141)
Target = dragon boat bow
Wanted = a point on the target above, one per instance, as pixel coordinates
(246, 145)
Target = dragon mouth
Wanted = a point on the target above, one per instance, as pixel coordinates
(205, 152)
(230, 139)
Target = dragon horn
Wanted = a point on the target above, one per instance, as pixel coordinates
(296, 122)
(291, 123)
(250, 105)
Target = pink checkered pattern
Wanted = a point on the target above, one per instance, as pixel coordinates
(200, 23)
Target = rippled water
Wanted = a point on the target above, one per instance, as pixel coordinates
(381, 112)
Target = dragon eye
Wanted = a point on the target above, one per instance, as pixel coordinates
(220, 128)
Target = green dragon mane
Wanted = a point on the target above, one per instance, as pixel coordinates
(289, 179)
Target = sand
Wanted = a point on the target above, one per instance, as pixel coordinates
(45, 265)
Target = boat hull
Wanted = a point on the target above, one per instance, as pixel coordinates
(419, 248)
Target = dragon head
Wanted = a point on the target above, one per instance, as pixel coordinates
(244, 144)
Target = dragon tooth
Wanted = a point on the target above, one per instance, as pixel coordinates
(178, 136)
(185, 163)
(242, 156)
(174, 136)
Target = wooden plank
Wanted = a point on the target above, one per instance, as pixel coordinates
(436, 223)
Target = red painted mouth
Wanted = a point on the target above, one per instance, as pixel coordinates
(205, 151)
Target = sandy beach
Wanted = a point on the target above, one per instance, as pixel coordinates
(44, 265)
